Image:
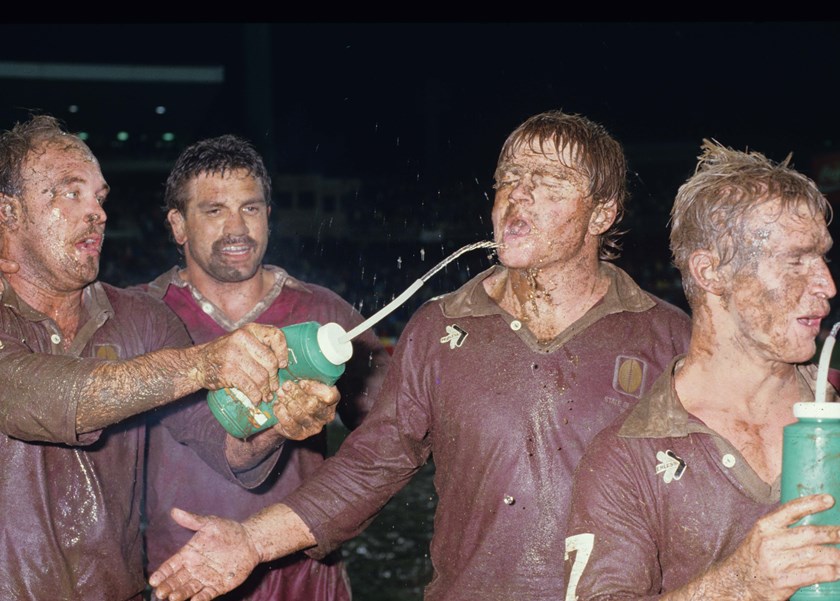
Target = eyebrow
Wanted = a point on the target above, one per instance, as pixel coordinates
(72, 179)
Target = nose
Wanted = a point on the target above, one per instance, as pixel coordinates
(524, 189)
(824, 286)
(95, 212)
(235, 224)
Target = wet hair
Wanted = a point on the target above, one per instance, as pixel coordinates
(595, 153)
(214, 156)
(712, 207)
(17, 143)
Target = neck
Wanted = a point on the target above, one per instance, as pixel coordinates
(720, 375)
(235, 299)
(63, 307)
(549, 299)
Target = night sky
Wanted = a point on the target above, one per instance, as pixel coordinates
(426, 106)
(439, 98)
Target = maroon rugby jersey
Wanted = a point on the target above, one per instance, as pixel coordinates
(506, 419)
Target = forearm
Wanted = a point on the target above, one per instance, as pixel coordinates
(277, 531)
(116, 390)
(720, 581)
(244, 455)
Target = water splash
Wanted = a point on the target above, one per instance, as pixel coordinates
(396, 302)
(456, 254)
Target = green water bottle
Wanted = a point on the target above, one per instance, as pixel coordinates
(316, 352)
(811, 465)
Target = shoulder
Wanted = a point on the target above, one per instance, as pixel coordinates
(606, 445)
(323, 294)
(158, 287)
(307, 290)
(135, 302)
(430, 310)
(632, 299)
(667, 310)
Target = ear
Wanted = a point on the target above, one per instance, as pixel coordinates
(176, 220)
(10, 211)
(603, 216)
(704, 266)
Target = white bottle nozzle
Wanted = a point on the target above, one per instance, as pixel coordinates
(387, 309)
(825, 360)
(334, 344)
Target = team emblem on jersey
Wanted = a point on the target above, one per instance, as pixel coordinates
(630, 375)
(455, 336)
(108, 352)
(670, 466)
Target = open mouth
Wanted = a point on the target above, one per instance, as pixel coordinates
(91, 244)
(236, 249)
(811, 321)
(516, 228)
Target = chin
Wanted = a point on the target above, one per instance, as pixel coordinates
(515, 260)
(805, 355)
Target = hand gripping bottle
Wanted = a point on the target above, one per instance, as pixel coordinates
(811, 462)
(316, 352)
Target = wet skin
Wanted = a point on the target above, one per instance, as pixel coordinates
(548, 228)
(225, 229)
(56, 228)
(780, 295)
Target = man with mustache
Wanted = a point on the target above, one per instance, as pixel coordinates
(680, 498)
(503, 382)
(217, 196)
(78, 360)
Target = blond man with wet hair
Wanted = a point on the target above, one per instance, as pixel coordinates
(503, 381)
(679, 499)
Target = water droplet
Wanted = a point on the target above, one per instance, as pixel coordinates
(422, 254)
(399, 262)
(509, 500)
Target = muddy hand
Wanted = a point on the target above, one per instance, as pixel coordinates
(775, 560)
(247, 359)
(304, 407)
(217, 559)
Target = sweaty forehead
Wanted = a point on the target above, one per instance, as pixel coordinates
(59, 153)
(546, 153)
(64, 145)
(234, 184)
(777, 223)
(58, 159)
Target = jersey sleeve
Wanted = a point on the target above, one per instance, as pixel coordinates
(378, 458)
(611, 548)
(40, 393)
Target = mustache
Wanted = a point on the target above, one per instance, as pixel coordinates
(95, 230)
(233, 240)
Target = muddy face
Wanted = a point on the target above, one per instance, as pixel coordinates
(62, 222)
(542, 211)
(780, 284)
(225, 228)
